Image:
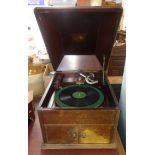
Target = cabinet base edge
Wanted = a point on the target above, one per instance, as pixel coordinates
(78, 146)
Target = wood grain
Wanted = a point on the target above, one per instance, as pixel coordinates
(115, 79)
(79, 62)
(78, 31)
(35, 141)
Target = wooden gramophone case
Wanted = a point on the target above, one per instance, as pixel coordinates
(76, 40)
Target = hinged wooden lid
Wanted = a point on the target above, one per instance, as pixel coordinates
(78, 31)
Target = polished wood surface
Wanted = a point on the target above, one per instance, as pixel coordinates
(115, 79)
(107, 115)
(79, 127)
(79, 62)
(96, 134)
(61, 134)
(80, 116)
(56, 118)
(78, 31)
(35, 140)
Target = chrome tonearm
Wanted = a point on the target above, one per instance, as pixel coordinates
(88, 78)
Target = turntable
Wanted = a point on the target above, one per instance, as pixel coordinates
(79, 96)
(79, 109)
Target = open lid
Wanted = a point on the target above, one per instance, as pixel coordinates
(78, 31)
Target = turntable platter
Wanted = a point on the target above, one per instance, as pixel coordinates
(79, 96)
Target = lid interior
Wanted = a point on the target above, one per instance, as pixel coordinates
(78, 31)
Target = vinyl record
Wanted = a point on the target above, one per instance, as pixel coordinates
(79, 96)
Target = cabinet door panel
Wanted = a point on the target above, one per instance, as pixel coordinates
(61, 134)
(96, 134)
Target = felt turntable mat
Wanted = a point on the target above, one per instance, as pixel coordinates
(79, 96)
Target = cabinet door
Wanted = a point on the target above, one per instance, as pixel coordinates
(96, 134)
(61, 134)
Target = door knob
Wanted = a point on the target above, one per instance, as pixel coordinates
(74, 135)
(83, 135)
